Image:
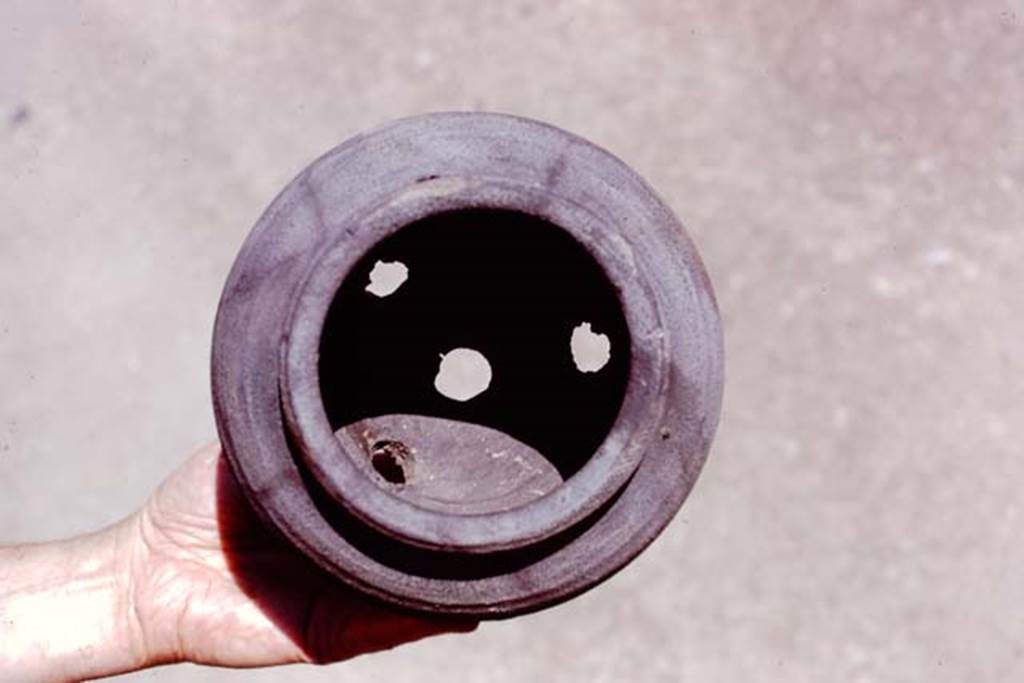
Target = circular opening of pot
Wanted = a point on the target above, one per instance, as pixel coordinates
(455, 354)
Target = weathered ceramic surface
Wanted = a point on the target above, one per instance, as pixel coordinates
(450, 466)
(309, 484)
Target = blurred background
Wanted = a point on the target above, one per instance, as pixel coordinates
(853, 174)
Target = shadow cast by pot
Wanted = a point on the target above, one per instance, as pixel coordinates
(325, 619)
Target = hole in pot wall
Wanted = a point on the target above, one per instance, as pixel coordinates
(463, 374)
(591, 350)
(386, 278)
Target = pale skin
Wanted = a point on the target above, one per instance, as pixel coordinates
(193, 576)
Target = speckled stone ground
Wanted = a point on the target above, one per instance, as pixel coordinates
(852, 172)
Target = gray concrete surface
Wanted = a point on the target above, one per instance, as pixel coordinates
(853, 173)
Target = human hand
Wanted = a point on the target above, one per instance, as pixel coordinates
(192, 576)
(213, 586)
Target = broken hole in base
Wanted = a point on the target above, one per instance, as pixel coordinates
(391, 459)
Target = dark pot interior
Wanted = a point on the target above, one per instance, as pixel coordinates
(511, 287)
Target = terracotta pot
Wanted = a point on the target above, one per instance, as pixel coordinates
(514, 235)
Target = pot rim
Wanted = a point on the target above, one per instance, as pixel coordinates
(332, 461)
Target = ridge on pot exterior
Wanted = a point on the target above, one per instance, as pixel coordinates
(512, 234)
